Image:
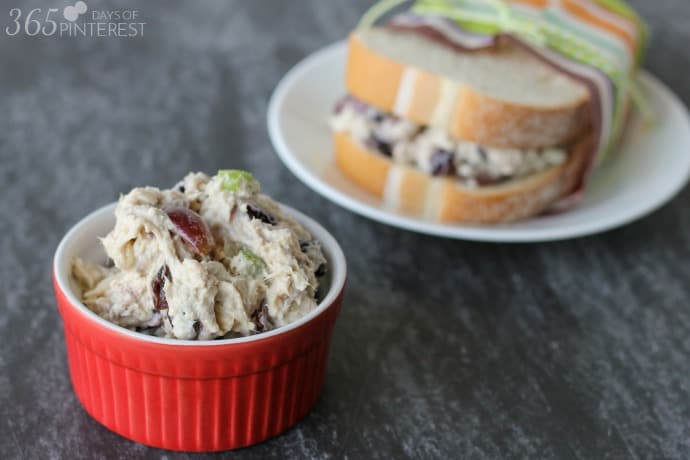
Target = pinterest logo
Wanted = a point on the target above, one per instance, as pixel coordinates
(47, 22)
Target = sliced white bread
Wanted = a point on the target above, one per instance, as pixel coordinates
(445, 199)
(503, 97)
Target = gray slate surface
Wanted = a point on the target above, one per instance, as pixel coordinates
(444, 349)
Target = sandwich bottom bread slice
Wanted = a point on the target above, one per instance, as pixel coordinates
(422, 171)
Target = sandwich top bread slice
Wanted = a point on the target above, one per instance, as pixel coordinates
(501, 97)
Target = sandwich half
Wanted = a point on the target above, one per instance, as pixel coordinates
(488, 136)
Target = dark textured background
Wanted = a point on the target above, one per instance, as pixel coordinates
(444, 349)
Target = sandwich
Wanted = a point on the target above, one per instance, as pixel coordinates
(460, 127)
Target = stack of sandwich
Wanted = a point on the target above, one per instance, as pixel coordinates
(490, 135)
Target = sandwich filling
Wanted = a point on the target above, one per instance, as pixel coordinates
(433, 151)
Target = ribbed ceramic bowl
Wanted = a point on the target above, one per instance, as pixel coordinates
(194, 395)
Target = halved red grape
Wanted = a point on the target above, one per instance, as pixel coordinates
(441, 163)
(192, 229)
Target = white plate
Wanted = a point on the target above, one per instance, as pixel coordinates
(651, 166)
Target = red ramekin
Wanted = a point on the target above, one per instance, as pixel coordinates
(193, 395)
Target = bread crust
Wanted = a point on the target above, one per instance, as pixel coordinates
(472, 116)
(445, 199)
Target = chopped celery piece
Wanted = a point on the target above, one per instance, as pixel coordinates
(254, 262)
(233, 179)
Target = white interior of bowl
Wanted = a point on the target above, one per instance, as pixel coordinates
(83, 241)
